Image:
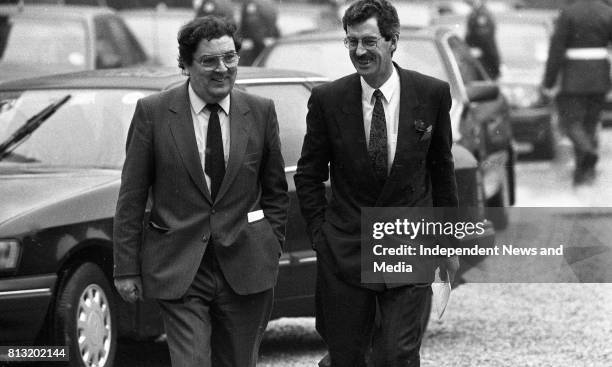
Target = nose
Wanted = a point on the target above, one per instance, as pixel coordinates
(221, 66)
(360, 50)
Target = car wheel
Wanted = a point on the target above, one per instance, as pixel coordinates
(85, 318)
(496, 205)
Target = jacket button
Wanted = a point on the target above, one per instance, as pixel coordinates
(213, 211)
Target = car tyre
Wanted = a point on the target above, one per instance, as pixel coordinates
(85, 318)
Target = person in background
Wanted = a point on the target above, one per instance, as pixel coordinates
(257, 27)
(382, 136)
(220, 8)
(480, 36)
(208, 156)
(578, 56)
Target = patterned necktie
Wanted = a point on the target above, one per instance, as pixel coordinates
(377, 148)
(214, 161)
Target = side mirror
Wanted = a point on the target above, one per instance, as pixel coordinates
(482, 91)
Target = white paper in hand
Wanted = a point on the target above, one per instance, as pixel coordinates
(441, 293)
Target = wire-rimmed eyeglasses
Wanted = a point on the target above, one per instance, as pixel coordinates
(368, 43)
(211, 62)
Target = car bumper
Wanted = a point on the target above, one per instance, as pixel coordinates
(530, 126)
(23, 306)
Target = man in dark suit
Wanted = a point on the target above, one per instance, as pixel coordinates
(383, 136)
(209, 158)
(578, 53)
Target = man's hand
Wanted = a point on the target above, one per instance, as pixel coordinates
(130, 289)
(450, 265)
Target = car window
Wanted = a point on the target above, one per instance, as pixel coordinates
(290, 101)
(157, 34)
(326, 57)
(469, 67)
(90, 130)
(116, 46)
(421, 55)
(44, 43)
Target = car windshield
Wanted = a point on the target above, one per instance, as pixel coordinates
(89, 131)
(331, 58)
(523, 46)
(43, 43)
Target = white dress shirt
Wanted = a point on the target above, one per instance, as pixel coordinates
(200, 116)
(391, 104)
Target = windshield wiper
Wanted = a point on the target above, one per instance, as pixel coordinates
(33, 123)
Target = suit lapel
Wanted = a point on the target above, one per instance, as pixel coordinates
(182, 131)
(239, 135)
(350, 124)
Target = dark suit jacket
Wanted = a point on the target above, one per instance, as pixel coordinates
(163, 163)
(422, 174)
(585, 24)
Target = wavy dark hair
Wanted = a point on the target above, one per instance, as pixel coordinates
(207, 27)
(383, 10)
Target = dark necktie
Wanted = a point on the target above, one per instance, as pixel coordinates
(377, 148)
(214, 161)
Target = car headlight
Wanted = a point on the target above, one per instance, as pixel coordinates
(522, 96)
(9, 254)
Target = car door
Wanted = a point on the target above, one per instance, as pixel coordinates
(492, 114)
(295, 288)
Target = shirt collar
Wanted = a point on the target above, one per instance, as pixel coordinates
(198, 103)
(389, 88)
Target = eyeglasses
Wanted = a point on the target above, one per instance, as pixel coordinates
(368, 43)
(211, 62)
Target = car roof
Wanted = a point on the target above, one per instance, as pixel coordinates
(55, 11)
(405, 32)
(516, 16)
(157, 78)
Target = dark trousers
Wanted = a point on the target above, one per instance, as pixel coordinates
(354, 321)
(579, 116)
(212, 326)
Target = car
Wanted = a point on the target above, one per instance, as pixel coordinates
(479, 114)
(59, 187)
(45, 39)
(523, 38)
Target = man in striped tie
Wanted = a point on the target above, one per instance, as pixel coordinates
(383, 137)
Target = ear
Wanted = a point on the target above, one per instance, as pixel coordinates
(394, 40)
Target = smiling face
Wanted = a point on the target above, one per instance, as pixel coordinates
(212, 86)
(374, 65)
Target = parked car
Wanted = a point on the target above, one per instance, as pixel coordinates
(59, 187)
(479, 113)
(523, 38)
(46, 39)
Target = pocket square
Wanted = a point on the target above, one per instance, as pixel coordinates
(426, 134)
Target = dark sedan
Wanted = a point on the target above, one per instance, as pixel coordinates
(59, 180)
(479, 113)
